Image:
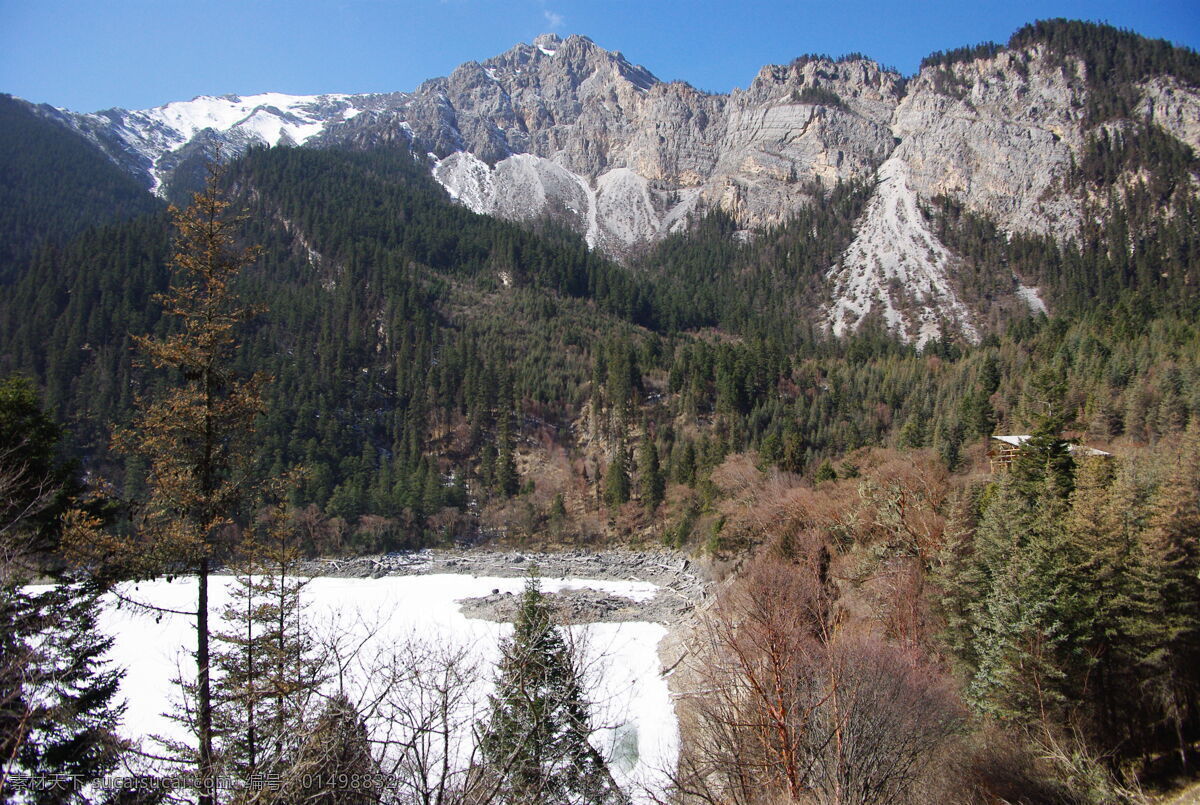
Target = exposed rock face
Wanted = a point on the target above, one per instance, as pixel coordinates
(566, 129)
(776, 140)
(645, 155)
(1174, 107)
(997, 135)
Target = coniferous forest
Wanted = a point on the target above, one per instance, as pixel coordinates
(368, 367)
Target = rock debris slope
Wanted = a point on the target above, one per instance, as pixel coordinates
(896, 268)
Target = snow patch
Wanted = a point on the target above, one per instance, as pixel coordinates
(269, 118)
(897, 267)
(301, 116)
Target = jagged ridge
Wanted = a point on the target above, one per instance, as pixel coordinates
(563, 128)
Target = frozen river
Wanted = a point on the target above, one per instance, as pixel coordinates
(630, 698)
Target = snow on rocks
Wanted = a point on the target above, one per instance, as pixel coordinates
(270, 118)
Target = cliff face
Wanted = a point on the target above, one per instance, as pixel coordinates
(998, 136)
(567, 129)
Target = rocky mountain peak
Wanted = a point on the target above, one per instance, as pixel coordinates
(850, 79)
(547, 43)
(563, 128)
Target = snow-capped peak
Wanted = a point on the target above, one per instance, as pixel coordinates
(158, 135)
(300, 116)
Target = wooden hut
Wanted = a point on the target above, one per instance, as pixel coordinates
(1003, 450)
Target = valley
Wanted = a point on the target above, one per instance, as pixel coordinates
(731, 370)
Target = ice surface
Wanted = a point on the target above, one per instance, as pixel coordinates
(631, 698)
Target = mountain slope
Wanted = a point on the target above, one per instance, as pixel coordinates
(53, 185)
(562, 129)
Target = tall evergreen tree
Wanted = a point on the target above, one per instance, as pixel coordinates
(196, 438)
(535, 744)
(264, 663)
(651, 480)
(1168, 580)
(34, 484)
(617, 486)
(58, 708)
(507, 479)
(1030, 625)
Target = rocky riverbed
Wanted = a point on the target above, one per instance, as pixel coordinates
(683, 584)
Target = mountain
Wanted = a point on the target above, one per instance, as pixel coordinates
(566, 130)
(427, 356)
(167, 145)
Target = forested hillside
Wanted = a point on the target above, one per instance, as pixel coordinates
(414, 344)
(55, 185)
(1020, 631)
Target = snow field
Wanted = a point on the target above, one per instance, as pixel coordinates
(396, 614)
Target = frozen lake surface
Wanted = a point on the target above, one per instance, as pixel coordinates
(631, 701)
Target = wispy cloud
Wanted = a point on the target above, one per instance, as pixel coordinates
(554, 20)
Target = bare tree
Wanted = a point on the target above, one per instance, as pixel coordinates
(427, 714)
(891, 714)
(786, 706)
(756, 685)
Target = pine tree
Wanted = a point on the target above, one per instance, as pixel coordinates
(264, 664)
(1045, 457)
(1167, 624)
(535, 744)
(58, 714)
(334, 765)
(1030, 624)
(617, 486)
(1102, 528)
(34, 485)
(507, 479)
(58, 708)
(651, 481)
(197, 437)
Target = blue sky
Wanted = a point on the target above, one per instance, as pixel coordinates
(93, 54)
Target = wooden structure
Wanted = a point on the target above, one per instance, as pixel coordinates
(1003, 450)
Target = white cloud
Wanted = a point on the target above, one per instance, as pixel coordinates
(555, 21)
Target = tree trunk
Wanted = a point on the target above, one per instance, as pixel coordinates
(203, 689)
